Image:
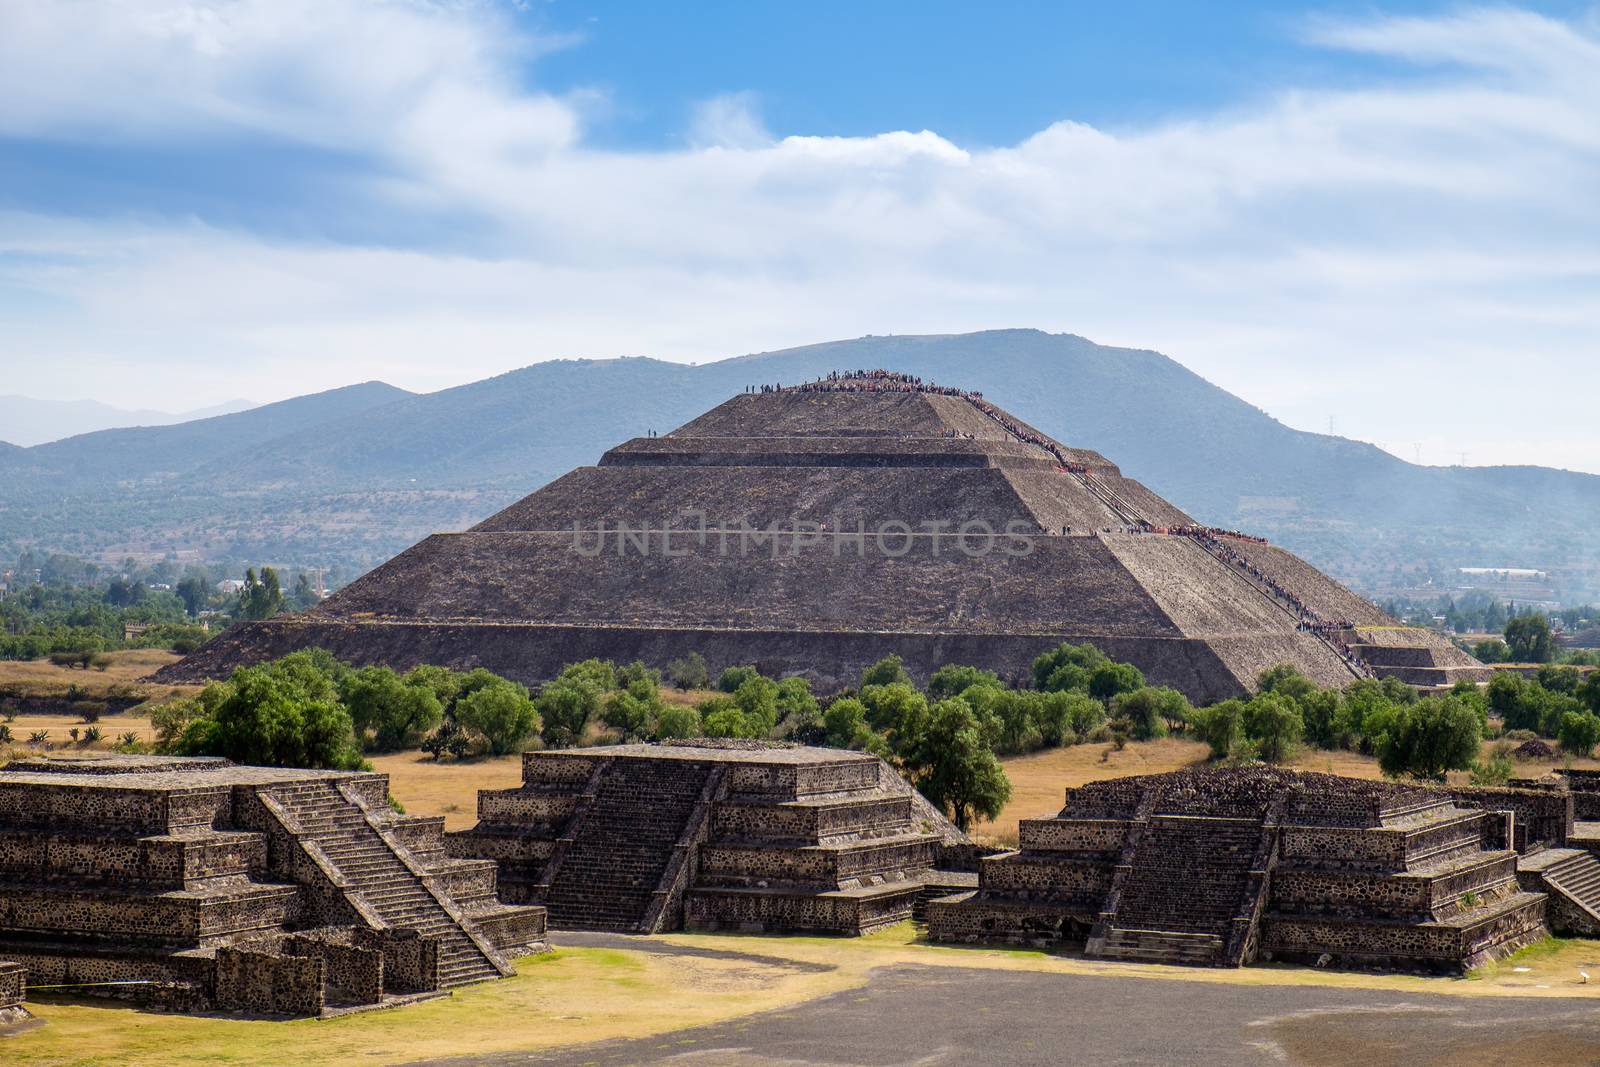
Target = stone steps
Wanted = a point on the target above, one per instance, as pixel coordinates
(1160, 946)
(382, 880)
(611, 869)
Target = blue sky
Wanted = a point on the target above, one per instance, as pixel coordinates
(1383, 213)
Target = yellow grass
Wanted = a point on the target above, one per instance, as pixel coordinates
(449, 787)
(569, 997)
(39, 677)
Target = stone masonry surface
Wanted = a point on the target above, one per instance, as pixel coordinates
(194, 884)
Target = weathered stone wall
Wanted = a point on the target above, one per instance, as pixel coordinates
(13, 986)
(255, 980)
(354, 972)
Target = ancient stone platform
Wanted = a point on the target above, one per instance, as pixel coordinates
(1222, 867)
(813, 531)
(646, 838)
(195, 884)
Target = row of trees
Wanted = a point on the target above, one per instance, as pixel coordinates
(310, 710)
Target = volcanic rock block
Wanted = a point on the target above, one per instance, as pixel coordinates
(1221, 867)
(197, 884)
(815, 530)
(645, 838)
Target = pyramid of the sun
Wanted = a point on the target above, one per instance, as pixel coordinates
(819, 528)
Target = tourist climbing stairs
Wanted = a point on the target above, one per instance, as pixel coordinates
(382, 880)
(1571, 874)
(611, 868)
(1188, 880)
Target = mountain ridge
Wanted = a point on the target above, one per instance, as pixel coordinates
(413, 463)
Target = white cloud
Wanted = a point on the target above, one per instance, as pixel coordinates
(1407, 257)
(732, 120)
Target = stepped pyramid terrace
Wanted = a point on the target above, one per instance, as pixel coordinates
(195, 884)
(1221, 867)
(817, 528)
(716, 835)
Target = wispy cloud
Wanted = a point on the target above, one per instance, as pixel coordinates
(1396, 256)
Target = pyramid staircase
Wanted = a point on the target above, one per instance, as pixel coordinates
(383, 881)
(1189, 879)
(614, 857)
(1572, 878)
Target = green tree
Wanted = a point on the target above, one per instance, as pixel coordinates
(1221, 727)
(887, 671)
(1068, 716)
(1066, 667)
(797, 707)
(894, 707)
(677, 722)
(260, 598)
(387, 714)
(1273, 724)
(195, 594)
(280, 714)
(1429, 738)
(845, 723)
(1110, 679)
(721, 717)
(1141, 709)
(953, 680)
(565, 707)
(1286, 680)
(732, 678)
(598, 674)
(757, 699)
(1491, 650)
(689, 672)
(501, 714)
(953, 767)
(1528, 639)
(1579, 732)
(632, 711)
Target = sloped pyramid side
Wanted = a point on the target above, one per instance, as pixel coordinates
(535, 586)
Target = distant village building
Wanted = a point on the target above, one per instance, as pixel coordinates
(230, 586)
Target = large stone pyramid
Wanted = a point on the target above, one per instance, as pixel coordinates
(818, 528)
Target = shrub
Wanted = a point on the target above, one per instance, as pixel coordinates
(894, 708)
(92, 735)
(845, 723)
(676, 721)
(1579, 732)
(89, 710)
(889, 670)
(5, 734)
(1221, 727)
(501, 714)
(1066, 717)
(1109, 680)
(690, 672)
(39, 737)
(953, 680)
(797, 707)
(1496, 769)
(732, 678)
(1273, 724)
(565, 707)
(1067, 667)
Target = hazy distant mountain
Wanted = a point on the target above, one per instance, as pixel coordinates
(354, 475)
(26, 420)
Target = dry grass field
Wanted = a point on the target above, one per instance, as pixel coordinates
(449, 788)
